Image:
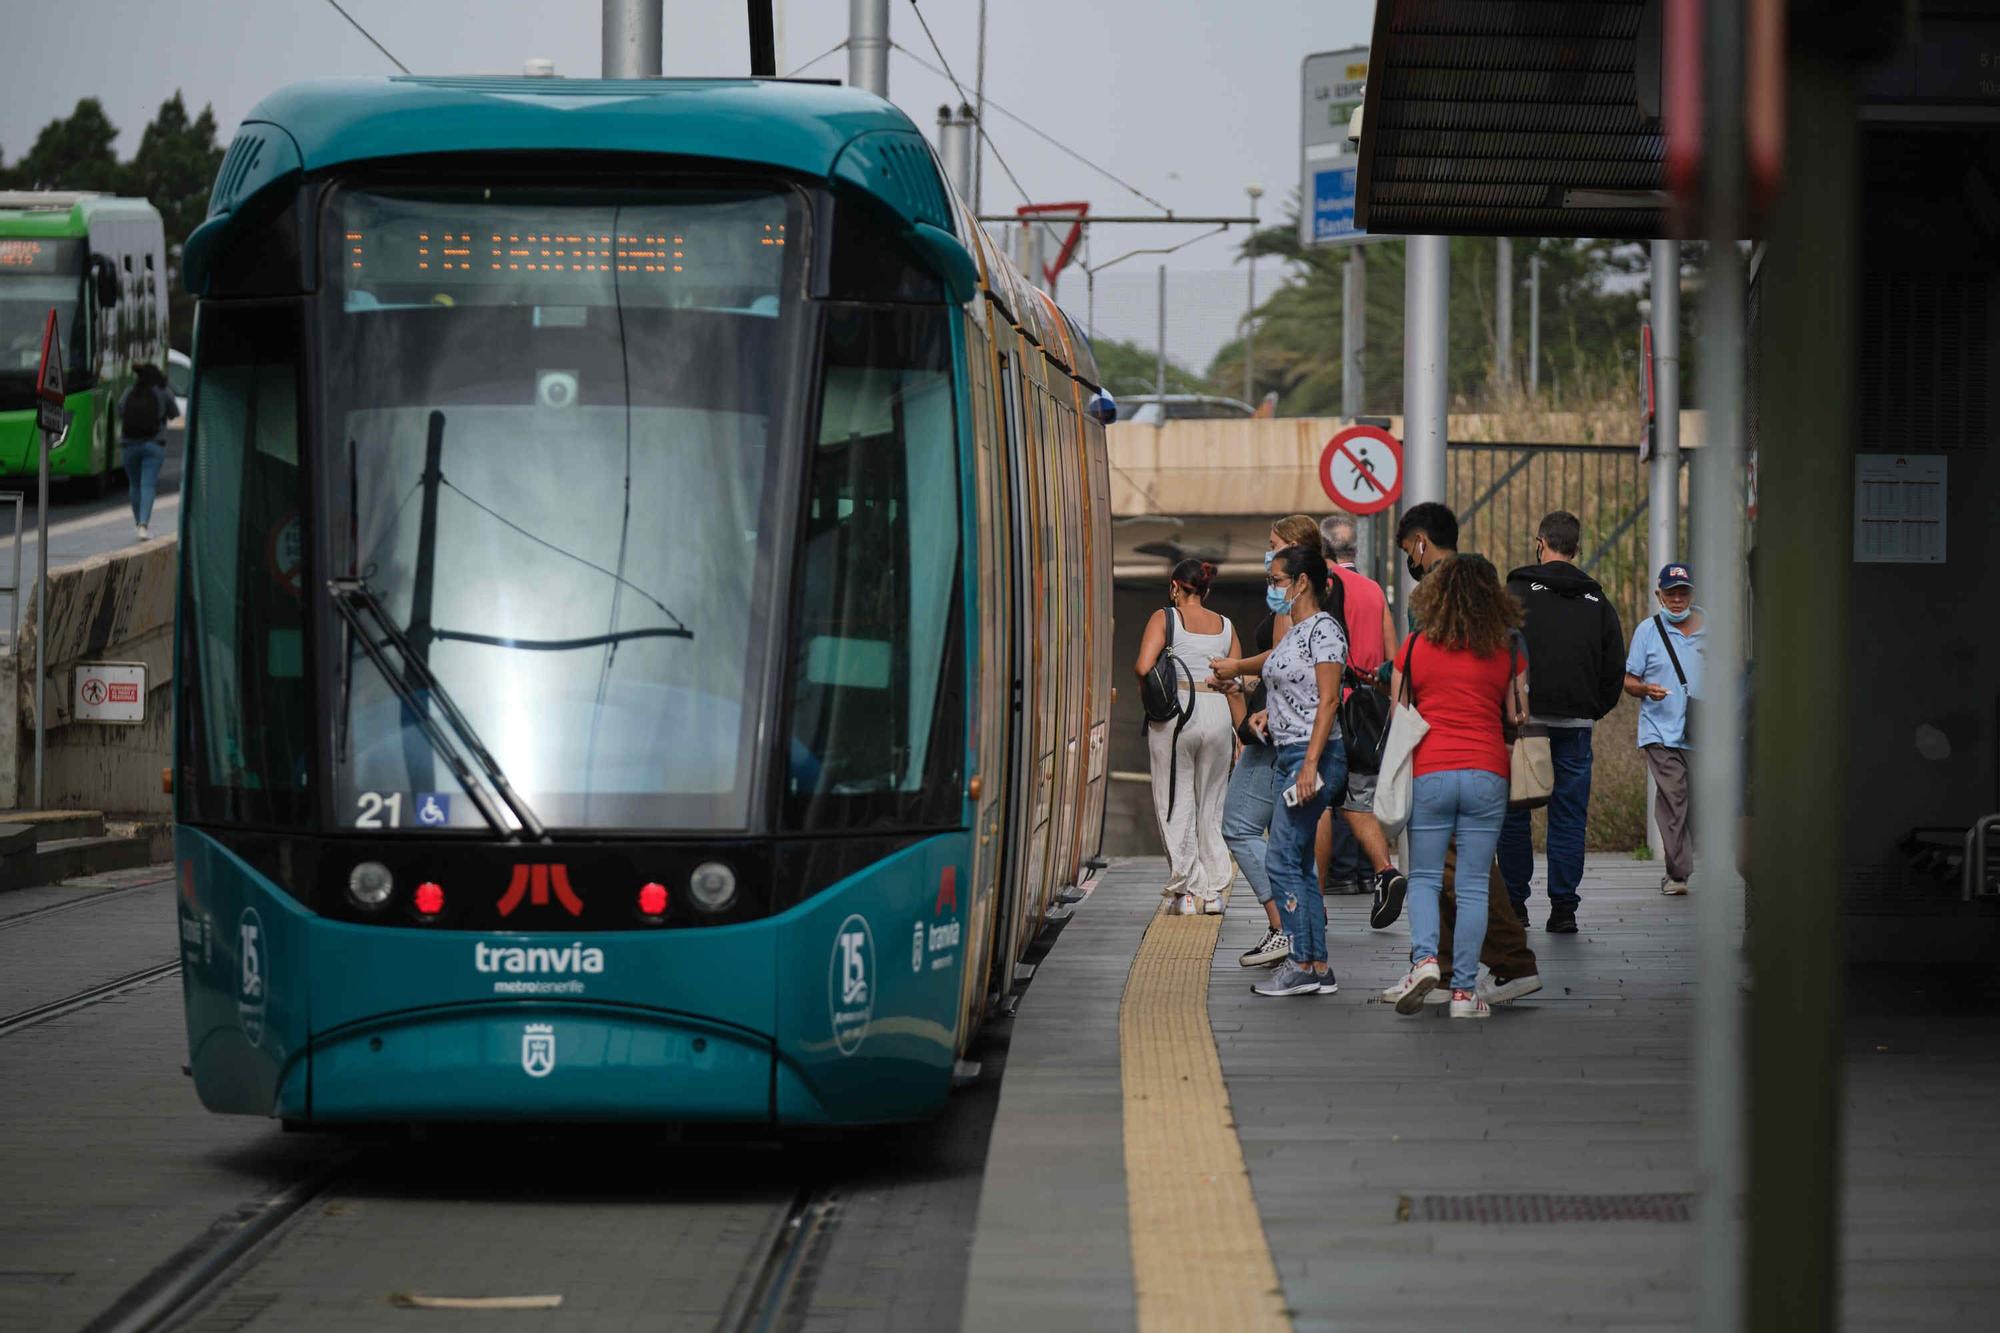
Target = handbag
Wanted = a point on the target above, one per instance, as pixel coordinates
(1160, 695)
(1687, 714)
(1531, 769)
(1395, 788)
(1364, 722)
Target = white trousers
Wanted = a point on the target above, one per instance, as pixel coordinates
(1197, 859)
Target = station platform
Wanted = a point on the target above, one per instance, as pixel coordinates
(1172, 1151)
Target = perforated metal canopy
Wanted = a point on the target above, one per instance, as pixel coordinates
(1513, 117)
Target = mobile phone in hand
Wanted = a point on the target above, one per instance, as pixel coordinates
(1292, 796)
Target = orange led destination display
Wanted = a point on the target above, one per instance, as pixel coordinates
(22, 255)
(407, 253)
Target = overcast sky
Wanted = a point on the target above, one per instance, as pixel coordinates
(1190, 100)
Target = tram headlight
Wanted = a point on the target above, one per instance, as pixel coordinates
(369, 885)
(712, 886)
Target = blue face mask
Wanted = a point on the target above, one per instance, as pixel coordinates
(1677, 617)
(1276, 599)
(1269, 556)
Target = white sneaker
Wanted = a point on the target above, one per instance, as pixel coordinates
(143, 534)
(1275, 947)
(1495, 991)
(1465, 1004)
(1212, 906)
(1674, 888)
(1408, 994)
(1187, 907)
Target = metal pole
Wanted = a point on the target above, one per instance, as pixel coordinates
(1503, 311)
(1717, 505)
(1809, 297)
(1663, 512)
(1426, 296)
(1534, 323)
(1160, 358)
(979, 115)
(1250, 310)
(632, 39)
(1354, 334)
(954, 133)
(41, 615)
(868, 45)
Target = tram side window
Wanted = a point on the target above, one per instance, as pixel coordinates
(876, 694)
(245, 725)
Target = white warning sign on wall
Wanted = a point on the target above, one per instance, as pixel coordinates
(110, 692)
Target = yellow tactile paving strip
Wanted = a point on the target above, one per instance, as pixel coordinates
(1199, 1257)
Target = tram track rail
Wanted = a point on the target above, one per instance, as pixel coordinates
(83, 999)
(54, 909)
(775, 1295)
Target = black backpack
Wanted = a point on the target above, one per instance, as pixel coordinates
(1160, 695)
(1364, 722)
(140, 416)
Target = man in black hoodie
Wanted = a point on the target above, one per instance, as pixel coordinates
(1577, 650)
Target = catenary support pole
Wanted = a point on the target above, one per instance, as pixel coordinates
(1534, 323)
(1354, 334)
(1663, 511)
(632, 39)
(41, 609)
(1717, 513)
(1160, 354)
(868, 45)
(979, 116)
(1250, 310)
(1808, 299)
(955, 147)
(1426, 298)
(1503, 310)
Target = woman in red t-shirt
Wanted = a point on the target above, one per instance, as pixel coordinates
(1458, 666)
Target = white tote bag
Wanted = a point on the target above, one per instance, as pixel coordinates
(1395, 788)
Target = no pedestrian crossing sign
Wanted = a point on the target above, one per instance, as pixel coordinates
(1362, 469)
(49, 380)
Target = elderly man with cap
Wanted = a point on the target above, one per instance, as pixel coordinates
(1663, 671)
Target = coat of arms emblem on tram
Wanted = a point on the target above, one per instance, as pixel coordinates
(538, 1050)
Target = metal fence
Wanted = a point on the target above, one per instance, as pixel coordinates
(1501, 492)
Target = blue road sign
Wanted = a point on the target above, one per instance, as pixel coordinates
(1333, 203)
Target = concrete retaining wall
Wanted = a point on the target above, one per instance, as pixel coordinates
(117, 607)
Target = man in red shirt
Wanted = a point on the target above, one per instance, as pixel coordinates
(1371, 638)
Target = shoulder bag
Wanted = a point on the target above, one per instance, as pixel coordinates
(1531, 770)
(1364, 722)
(1395, 789)
(1687, 715)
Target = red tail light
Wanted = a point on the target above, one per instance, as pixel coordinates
(653, 900)
(430, 899)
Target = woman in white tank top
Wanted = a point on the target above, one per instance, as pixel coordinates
(1191, 772)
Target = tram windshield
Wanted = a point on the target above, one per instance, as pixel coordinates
(37, 275)
(548, 419)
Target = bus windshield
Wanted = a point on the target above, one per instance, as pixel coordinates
(37, 275)
(548, 421)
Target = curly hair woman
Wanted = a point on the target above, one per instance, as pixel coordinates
(1465, 676)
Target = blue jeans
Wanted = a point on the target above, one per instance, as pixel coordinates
(1246, 815)
(142, 475)
(1468, 804)
(1293, 868)
(1569, 814)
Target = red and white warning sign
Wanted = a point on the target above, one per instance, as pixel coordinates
(111, 692)
(1362, 469)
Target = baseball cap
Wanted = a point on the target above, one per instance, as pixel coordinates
(1675, 576)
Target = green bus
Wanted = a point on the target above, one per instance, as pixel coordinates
(101, 264)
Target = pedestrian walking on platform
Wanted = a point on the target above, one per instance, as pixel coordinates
(1468, 686)
(1191, 755)
(1246, 810)
(1427, 534)
(1302, 681)
(1578, 651)
(1663, 671)
(144, 412)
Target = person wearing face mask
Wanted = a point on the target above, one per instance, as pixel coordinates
(1190, 762)
(1663, 671)
(1246, 810)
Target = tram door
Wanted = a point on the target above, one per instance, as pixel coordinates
(1023, 860)
(994, 685)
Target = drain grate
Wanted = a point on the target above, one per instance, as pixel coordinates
(1518, 1208)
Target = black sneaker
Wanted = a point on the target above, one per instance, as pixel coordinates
(1562, 921)
(1521, 909)
(1390, 886)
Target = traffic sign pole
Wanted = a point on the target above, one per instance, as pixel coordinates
(50, 417)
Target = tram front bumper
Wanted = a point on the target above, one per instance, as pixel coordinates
(544, 1062)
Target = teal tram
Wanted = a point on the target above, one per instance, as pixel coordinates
(645, 607)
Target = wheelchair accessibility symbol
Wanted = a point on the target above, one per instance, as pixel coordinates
(433, 809)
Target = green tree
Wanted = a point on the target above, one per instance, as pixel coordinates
(74, 153)
(1128, 369)
(174, 168)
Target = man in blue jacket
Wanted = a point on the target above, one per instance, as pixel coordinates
(1577, 650)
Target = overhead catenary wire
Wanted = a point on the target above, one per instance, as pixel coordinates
(1025, 124)
(838, 46)
(369, 35)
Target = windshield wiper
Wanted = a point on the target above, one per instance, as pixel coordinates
(357, 605)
